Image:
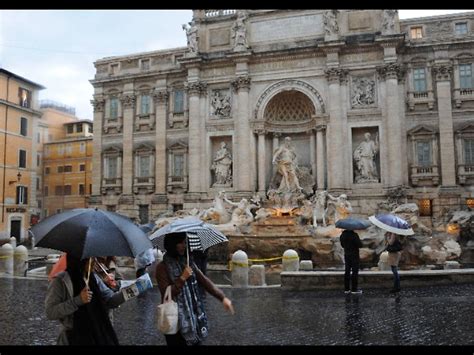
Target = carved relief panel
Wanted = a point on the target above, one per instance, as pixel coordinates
(220, 103)
(363, 92)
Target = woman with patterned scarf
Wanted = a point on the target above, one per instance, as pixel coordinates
(185, 281)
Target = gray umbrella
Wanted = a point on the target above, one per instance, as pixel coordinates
(88, 232)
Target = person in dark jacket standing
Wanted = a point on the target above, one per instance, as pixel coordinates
(351, 243)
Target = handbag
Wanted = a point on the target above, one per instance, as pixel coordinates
(395, 247)
(167, 314)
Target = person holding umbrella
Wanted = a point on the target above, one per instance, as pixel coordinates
(351, 243)
(394, 248)
(393, 225)
(82, 305)
(77, 297)
(180, 272)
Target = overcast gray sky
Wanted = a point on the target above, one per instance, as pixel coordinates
(57, 48)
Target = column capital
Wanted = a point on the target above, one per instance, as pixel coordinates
(442, 72)
(128, 100)
(98, 103)
(392, 71)
(196, 88)
(336, 75)
(241, 82)
(321, 128)
(160, 96)
(260, 131)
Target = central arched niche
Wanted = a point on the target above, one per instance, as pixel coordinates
(285, 110)
(288, 107)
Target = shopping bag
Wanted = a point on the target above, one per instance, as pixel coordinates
(167, 314)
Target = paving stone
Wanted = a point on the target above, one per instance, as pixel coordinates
(439, 315)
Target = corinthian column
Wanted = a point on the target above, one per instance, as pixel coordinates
(336, 166)
(98, 103)
(195, 145)
(160, 99)
(128, 109)
(391, 73)
(442, 73)
(261, 161)
(244, 162)
(320, 157)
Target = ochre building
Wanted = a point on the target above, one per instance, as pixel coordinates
(19, 120)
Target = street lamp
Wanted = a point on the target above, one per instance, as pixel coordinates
(18, 178)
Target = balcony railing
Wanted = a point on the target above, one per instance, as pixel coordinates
(427, 173)
(420, 95)
(423, 97)
(465, 172)
(460, 95)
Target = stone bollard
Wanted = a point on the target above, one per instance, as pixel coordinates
(448, 265)
(13, 242)
(306, 265)
(6, 259)
(257, 275)
(291, 260)
(240, 269)
(20, 257)
(383, 262)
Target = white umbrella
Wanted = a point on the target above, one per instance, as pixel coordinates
(201, 235)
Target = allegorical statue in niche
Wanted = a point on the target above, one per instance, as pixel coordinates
(222, 166)
(330, 22)
(287, 163)
(192, 35)
(239, 31)
(364, 157)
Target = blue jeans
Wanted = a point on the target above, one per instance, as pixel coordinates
(396, 278)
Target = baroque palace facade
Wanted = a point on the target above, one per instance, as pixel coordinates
(324, 78)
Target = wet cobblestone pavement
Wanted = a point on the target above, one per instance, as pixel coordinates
(441, 315)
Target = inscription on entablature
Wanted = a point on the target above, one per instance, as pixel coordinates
(362, 57)
(288, 64)
(289, 28)
(219, 37)
(218, 72)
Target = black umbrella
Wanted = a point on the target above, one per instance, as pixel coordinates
(88, 232)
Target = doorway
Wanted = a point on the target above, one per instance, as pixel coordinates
(15, 230)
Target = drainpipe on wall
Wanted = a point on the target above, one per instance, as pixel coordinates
(5, 152)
